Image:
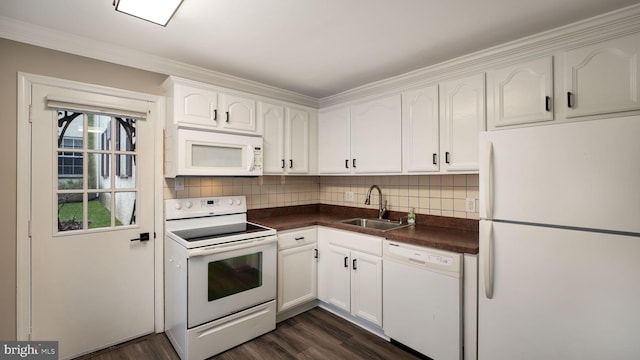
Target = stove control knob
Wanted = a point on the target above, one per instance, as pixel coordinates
(188, 204)
(230, 201)
(178, 206)
(238, 201)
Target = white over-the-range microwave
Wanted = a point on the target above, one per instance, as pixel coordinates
(190, 152)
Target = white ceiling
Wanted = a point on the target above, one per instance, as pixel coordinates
(316, 48)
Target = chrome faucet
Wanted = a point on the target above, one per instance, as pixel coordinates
(381, 209)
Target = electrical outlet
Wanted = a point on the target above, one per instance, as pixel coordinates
(348, 196)
(470, 204)
(178, 184)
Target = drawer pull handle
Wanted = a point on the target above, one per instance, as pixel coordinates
(300, 238)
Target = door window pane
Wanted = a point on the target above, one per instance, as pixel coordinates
(70, 130)
(99, 210)
(70, 212)
(125, 208)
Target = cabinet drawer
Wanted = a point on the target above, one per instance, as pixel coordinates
(297, 237)
(351, 240)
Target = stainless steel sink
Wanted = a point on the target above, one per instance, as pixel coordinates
(374, 224)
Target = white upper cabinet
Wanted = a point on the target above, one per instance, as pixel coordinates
(363, 139)
(520, 94)
(197, 105)
(239, 113)
(420, 130)
(462, 118)
(194, 105)
(376, 136)
(287, 133)
(603, 78)
(297, 144)
(273, 140)
(334, 148)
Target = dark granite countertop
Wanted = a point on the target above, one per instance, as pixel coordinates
(453, 234)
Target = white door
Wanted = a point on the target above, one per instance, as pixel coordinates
(420, 130)
(297, 269)
(298, 128)
(339, 277)
(521, 93)
(376, 136)
(603, 78)
(334, 147)
(239, 113)
(92, 284)
(462, 117)
(273, 140)
(366, 287)
(555, 293)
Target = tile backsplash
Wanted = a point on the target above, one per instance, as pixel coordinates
(442, 195)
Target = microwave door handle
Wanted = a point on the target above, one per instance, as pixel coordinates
(231, 246)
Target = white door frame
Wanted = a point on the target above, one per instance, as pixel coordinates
(23, 208)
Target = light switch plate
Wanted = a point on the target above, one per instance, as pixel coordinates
(348, 196)
(470, 204)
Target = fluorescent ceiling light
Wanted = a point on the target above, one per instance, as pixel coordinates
(156, 11)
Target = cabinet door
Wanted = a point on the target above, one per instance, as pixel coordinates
(520, 94)
(195, 105)
(603, 78)
(420, 130)
(297, 144)
(462, 117)
(376, 136)
(333, 142)
(366, 287)
(296, 276)
(273, 140)
(338, 275)
(239, 113)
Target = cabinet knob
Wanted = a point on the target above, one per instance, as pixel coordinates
(569, 99)
(227, 116)
(346, 163)
(346, 261)
(435, 159)
(447, 157)
(290, 164)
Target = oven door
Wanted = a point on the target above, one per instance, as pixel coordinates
(224, 279)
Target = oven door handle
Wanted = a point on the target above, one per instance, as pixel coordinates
(217, 249)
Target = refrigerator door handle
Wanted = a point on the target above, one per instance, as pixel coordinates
(488, 184)
(488, 260)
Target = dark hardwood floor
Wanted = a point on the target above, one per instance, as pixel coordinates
(315, 334)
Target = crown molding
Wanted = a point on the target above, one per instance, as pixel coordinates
(599, 28)
(61, 41)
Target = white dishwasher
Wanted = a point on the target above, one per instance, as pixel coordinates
(422, 299)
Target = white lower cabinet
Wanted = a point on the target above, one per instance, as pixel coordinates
(297, 268)
(350, 273)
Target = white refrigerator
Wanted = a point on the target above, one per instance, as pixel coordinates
(559, 262)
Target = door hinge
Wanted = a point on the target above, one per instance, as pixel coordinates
(29, 227)
(30, 114)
